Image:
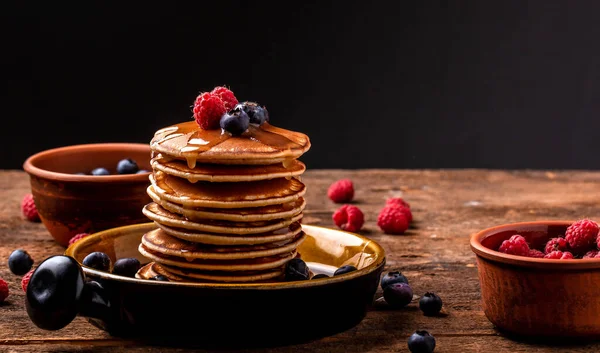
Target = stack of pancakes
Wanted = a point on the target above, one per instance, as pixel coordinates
(228, 208)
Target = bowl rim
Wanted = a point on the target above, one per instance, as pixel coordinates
(30, 167)
(114, 232)
(498, 257)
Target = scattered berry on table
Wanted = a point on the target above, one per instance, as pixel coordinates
(257, 114)
(100, 171)
(398, 201)
(582, 236)
(430, 304)
(208, 110)
(341, 191)
(235, 121)
(393, 220)
(344, 269)
(592, 254)
(127, 166)
(28, 208)
(3, 290)
(25, 280)
(20, 262)
(556, 244)
(296, 270)
(320, 275)
(77, 237)
(159, 278)
(398, 294)
(559, 255)
(349, 218)
(226, 96)
(421, 342)
(97, 260)
(535, 253)
(127, 267)
(516, 245)
(393, 277)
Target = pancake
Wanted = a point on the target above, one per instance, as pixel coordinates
(262, 145)
(160, 242)
(150, 270)
(227, 173)
(254, 214)
(255, 264)
(199, 276)
(282, 234)
(162, 216)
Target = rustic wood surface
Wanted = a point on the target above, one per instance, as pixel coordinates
(448, 206)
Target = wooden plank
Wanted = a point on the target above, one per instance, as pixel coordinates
(447, 205)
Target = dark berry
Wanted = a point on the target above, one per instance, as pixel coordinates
(296, 270)
(159, 278)
(100, 171)
(320, 275)
(257, 114)
(235, 121)
(430, 304)
(344, 269)
(142, 171)
(20, 262)
(398, 294)
(421, 342)
(393, 277)
(97, 260)
(127, 267)
(127, 166)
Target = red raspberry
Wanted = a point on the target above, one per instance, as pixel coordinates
(592, 254)
(404, 210)
(341, 191)
(397, 201)
(516, 245)
(226, 96)
(349, 218)
(77, 237)
(208, 110)
(582, 235)
(3, 290)
(25, 280)
(28, 209)
(535, 253)
(559, 255)
(555, 244)
(393, 220)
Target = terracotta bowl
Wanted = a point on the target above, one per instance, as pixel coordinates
(69, 204)
(537, 298)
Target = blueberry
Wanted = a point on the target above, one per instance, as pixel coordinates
(20, 262)
(398, 294)
(296, 270)
(320, 275)
(421, 342)
(142, 171)
(97, 260)
(393, 277)
(430, 304)
(159, 278)
(127, 166)
(235, 121)
(100, 171)
(344, 269)
(127, 267)
(257, 114)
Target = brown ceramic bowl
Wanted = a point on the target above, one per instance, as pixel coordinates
(537, 298)
(69, 204)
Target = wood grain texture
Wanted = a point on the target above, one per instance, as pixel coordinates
(448, 206)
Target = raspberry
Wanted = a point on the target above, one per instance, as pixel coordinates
(516, 245)
(592, 254)
(77, 237)
(349, 218)
(3, 290)
(397, 201)
(226, 96)
(341, 191)
(582, 235)
(28, 209)
(559, 255)
(25, 280)
(392, 220)
(535, 253)
(208, 109)
(403, 209)
(555, 244)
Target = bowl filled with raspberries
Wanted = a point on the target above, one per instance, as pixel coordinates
(87, 188)
(540, 278)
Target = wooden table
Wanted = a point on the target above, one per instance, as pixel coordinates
(448, 206)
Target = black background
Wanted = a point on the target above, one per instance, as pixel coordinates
(381, 84)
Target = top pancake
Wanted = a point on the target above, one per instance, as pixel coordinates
(265, 144)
